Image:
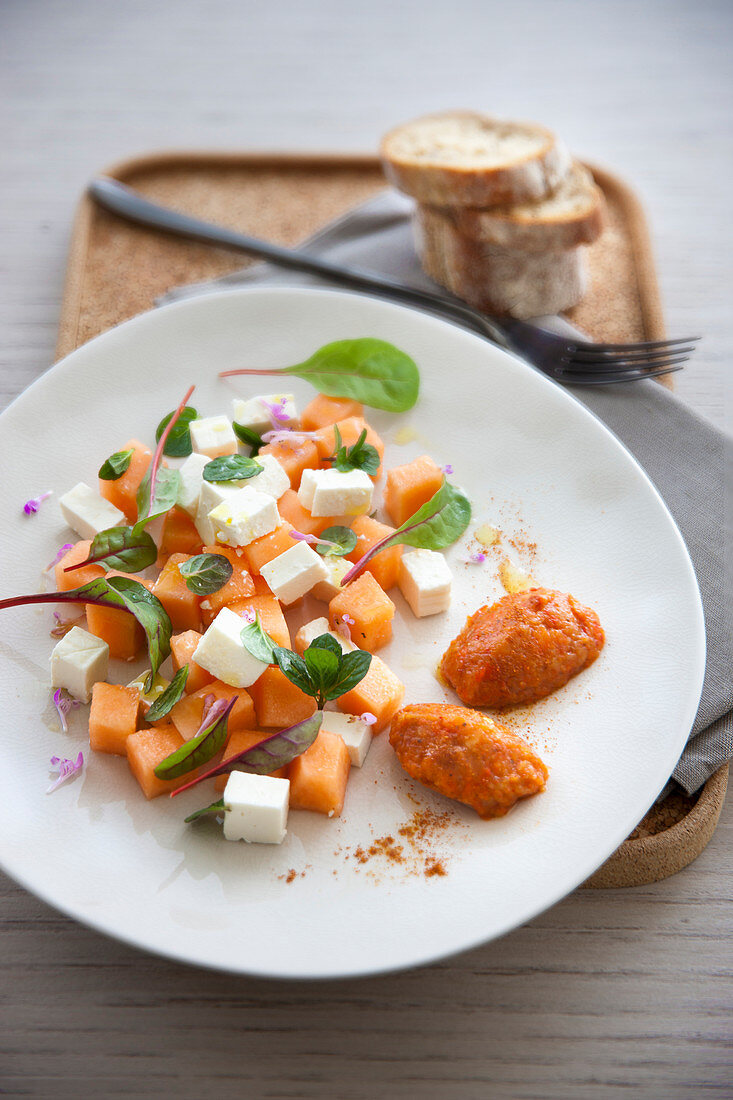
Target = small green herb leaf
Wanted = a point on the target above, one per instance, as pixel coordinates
(343, 538)
(210, 739)
(323, 668)
(231, 468)
(362, 456)
(257, 642)
(294, 667)
(214, 808)
(168, 698)
(178, 444)
(167, 487)
(206, 573)
(248, 437)
(352, 670)
(326, 641)
(128, 549)
(115, 465)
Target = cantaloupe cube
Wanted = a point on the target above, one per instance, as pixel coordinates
(385, 566)
(148, 748)
(119, 629)
(264, 549)
(123, 491)
(271, 615)
(299, 518)
(66, 581)
(179, 535)
(324, 410)
(239, 742)
(177, 598)
(182, 649)
(367, 611)
(408, 487)
(279, 703)
(294, 456)
(350, 430)
(239, 586)
(318, 776)
(187, 713)
(380, 693)
(113, 716)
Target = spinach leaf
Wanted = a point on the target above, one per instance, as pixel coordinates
(128, 549)
(231, 468)
(439, 523)
(206, 573)
(115, 465)
(214, 808)
(342, 539)
(249, 438)
(257, 642)
(178, 444)
(367, 369)
(168, 698)
(362, 456)
(210, 739)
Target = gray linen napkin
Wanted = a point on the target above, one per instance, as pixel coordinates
(689, 460)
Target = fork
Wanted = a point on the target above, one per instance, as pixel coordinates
(564, 359)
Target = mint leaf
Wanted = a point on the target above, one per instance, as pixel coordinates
(323, 668)
(257, 642)
(353, 668)
(362, 456)
(343, 541)
(294, 667)
(206, 573)
(115, 465)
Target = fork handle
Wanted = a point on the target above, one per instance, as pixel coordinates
(127, 203)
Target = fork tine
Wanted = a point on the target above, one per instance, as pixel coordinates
(585, 345)
(640, 355)
(594, 378)
(616, 366)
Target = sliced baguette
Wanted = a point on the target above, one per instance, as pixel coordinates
(496, 279)
(463, 158)
(572, 215)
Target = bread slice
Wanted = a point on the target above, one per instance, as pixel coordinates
(464, 158)
(494, 278)
(572, 215)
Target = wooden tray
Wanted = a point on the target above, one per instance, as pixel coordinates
(117, 270)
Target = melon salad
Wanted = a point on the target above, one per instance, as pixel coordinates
(199, 548)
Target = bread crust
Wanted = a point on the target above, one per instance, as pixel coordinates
(525, 177)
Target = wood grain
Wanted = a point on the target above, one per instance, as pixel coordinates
(608, 995)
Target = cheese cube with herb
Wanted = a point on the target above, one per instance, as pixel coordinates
(88, 513)
(355, 733)
(78, 662)
(214, 436)
(292, 574)
(266, 413)
(256, 808)
(222, 652)
(273, 480)
(336, 493)
(212, 494)
(425, 582)
(192, 479)
(314, 629)
(243, 517)
(336, 568)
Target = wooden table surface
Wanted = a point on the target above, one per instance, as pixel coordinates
(609, 994)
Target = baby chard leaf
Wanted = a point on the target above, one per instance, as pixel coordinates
(215, 808)
(258, 642)
(128, 549)
(206, 573)
(168, 698)
(167, 487)
(231, 468)
(210, 739)
(115, 465)
(178, 444)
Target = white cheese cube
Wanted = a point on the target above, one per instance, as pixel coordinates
(192, 479)
(312, 630)
(222, 652)
(78, 662)
(88, 513)
(255, 415)
(213, 493)
(256, 808)
(425, 582)
(244, 517)
(273, 480)
(337, 568)
(355, 734)
(337, 494)
(291, 574)
(214, 436)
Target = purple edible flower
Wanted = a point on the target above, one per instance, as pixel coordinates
(313, 540)
(342, 627)
(276, 409)
(67, 769)
(31, 506)
(448, 469)
(63, 626)
(61, 553)
(64, 703)
(282, 435)
(477, 558)
(368, 717)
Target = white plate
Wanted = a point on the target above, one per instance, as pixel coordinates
(537, 465)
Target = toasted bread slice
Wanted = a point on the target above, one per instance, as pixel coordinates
(496, 279)
(464, 158)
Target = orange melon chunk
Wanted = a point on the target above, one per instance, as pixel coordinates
(271, 615)
(113, 716)
(66, 581)
(264, 549)
(187, 713)
(299, 518)
(350, 429)
(279, 703)
(123, 491)
(408, 487)
(119, 629)
(239, 586)
(239, 742)
(380, 693)
(385, 566)
(318, 776)
(294, 456)
(370, 610)
(182, 647)
(148, 748)
(177, 598)
(179, 535)
(323, 411)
